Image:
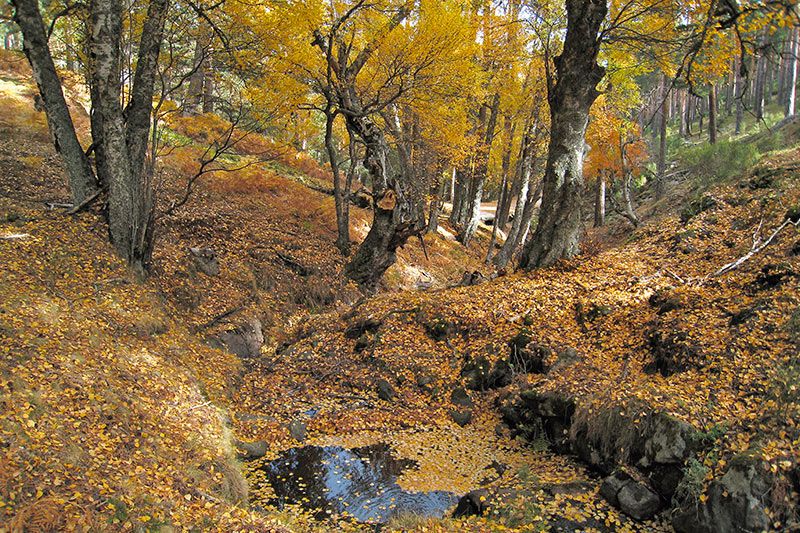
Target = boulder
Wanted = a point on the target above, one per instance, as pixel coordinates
(462, 418)
(385, 390)
(737, 501)
(251, 450)
(298, 430)
(638, 501)
(244, 341)
(668, 440)
(205, 260)
(474, 503)
(460, 397)
(630, 496)
(611, 485)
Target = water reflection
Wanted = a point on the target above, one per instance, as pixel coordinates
(361, 483)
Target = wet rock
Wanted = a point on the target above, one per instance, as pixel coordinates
(476, 373)
(474, 503)
(500, 375)
(244, 341)
(205, 260)
(638, 501)
(462, 418)
(251, 450)
(611, 485)
(385, 390)
(460, 397)
(298, 430)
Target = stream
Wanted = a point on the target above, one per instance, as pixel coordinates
(360, 483)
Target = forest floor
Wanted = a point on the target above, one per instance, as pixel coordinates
(116, 414)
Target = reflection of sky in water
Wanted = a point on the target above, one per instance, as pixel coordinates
(361, 482)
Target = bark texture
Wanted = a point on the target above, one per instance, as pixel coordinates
(575, 90)
(82, 182)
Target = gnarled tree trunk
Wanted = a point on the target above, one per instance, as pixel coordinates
(389, 230)
(575, 90)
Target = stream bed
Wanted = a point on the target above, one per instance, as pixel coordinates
(360, 483)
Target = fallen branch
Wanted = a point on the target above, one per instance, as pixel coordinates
(219, 318)
(758, 245)
(15, 236)
(85, 203)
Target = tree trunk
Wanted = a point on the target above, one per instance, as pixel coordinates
(209, 84)
(82, 183)
(522, 211)
(194, 93)
(436, 207)
(791, 77)
(712, 114)
(495, 224)
(627, 183)
(340, 198)
(683, 131)
(479, 176)
(600, 201)
(389, 230)
(761, 73)
(738, 94)
(662, 140)
(578, 73)
(503, 201)
(460, 193)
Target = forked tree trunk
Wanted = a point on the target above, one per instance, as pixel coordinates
(578, 73)
(82, 183)
(124, 142)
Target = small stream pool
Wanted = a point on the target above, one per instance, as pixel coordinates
(359, 482)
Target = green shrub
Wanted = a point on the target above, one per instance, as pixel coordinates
(691, 486)
(717, 162)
